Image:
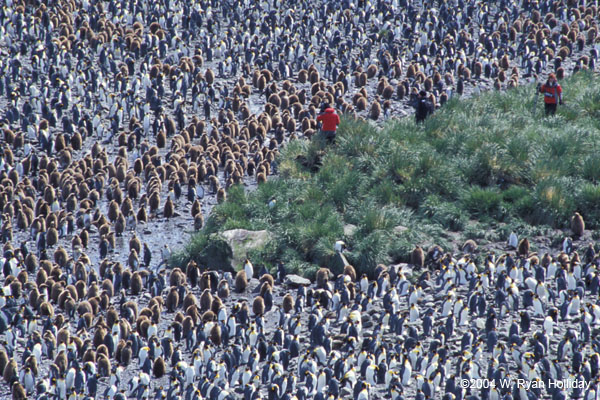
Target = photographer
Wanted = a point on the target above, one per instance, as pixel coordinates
(330, 120)
(552, 94)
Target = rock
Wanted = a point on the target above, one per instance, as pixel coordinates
(402, 267)
(296, 281)
(242, 241)
(349, 229)
(400, 229)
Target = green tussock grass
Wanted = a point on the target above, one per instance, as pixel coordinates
(477, 168)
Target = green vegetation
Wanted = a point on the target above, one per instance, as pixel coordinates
(477, 168)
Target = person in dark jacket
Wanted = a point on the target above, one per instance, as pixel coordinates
(424, 107)
(330, 120)
(552, 94)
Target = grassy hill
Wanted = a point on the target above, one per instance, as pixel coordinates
(478, 168)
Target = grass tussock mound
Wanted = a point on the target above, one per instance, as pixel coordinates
(476, 169)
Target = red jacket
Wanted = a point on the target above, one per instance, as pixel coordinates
(552, 93)
(330, 120)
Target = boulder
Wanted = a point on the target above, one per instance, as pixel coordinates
(349, 229)
(296, 281)
(242, 241)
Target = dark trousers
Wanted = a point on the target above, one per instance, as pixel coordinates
(550, 108)
(329, 136)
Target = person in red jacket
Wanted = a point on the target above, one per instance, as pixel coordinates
(330, 121)
(552, 94)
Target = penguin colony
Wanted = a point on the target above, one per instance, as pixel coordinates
(117, 117)
(403, 335)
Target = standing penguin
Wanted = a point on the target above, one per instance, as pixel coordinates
(417, 257)
(248, 269)
(577, 225)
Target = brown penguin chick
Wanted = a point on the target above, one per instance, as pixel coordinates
(196, 208)
(107, 286)
(76, 141)
(265, 287)
(60, 256)
(89, 355)
(261, 177)
(258, 306)
(88, 318)
(172, 300)
(31, 262)
(217, 305)
(93, 291)
(153, 202)
(41, 277)
(34, 296)
(375, 110)
(288, 303)
(360, 102)
(16, 289)
(205, 282)
(84, 236)
(177, 277)
(3, 358)
(206, 300)
(133, 306)
(120, 224)
(575, 258)
(126, 353)
(136, 284)
(268, 278)
(18, 391)
(59, 320)
(61, 361)
(546, 260)
(322, 278)
(120, 346)
(142, 216)
(169, 208)
(523, 248)
(208, 316)
(577, 225)
(62, 298)
(51, 236)
(63, 336)
(223, 289)
(32, 364)
(135, 243)
(11, 372)
(156, 301)
(104, 300)
(103, 364)
(215, 334)
(102, 350)
(113, 211)
(221, 195)
(351, 272)
(189, 299)
(241, 281)
(192, 311)
(46, 309)
(417, 257)
(112, 317)
(161, 139)
(469, 247)
(133, 260)
(159, 368)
